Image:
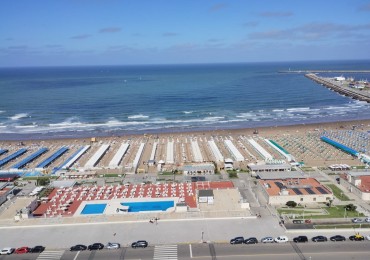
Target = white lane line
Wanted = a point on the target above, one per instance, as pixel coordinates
(76, 255)
(191, 251)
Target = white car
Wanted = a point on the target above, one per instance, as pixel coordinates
(367, 237)
(112, 245)
(367, 219)
(7, 251)
(281, 239)
(357, 220)
(267, 240)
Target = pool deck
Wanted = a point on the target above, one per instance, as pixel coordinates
(66, 202)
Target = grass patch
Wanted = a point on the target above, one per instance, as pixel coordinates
(297, 212)
(338, 193)
(337, 212)
(232, 174)
(110, 175)
(167, 173)
(324, 212)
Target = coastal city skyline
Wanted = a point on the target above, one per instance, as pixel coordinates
(66, 33)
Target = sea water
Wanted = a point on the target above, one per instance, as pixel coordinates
(46, 102)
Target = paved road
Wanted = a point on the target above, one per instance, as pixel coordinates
(327, 251)
(167, 231)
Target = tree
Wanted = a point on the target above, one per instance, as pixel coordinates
(291, 204)
(351, 207)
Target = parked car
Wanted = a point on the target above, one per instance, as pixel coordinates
(95, 246)
(367, 237)
(237, 240)
(251, 240)
(300, 239)
(267, 240)
(367, 219)
(319, 239)
(22, 250)
(37, 249)
(113, 245)
(357, 220)
(337, 238)
(281, 239)
(78, 248)
(357, 237)
(139, 243)
(7, 251)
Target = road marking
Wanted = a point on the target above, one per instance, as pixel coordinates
(165, 252)
(50, 255)
(191, 251)
(76, 255)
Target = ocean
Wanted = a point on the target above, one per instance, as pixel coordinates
(66, 102)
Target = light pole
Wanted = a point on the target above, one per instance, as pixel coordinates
(345, 211)
(202, 237)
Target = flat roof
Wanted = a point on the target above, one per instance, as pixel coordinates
(260, 167)
(205, 193)
(281, 175)
(63, 183)
(365, 183)
(307, 186)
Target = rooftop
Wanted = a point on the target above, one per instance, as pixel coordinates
(307, 186)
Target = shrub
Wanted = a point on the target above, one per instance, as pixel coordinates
(291, 204)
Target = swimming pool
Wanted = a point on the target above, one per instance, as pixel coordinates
(93, 209)
(149, 205)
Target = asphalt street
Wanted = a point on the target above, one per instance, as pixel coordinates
(328, 250)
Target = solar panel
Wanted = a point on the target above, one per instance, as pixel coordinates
(322, 190)
(310, 191)
(297, 191)
(280, 185)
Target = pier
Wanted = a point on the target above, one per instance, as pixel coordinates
(324, 71)
(335, 86)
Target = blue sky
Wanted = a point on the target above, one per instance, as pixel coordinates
(105, 32)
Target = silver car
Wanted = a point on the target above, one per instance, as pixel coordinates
(112, 245)
(267, 240)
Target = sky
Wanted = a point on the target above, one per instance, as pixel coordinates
(124, 32)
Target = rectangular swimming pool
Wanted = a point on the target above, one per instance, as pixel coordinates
(94, 209)
(149, 205)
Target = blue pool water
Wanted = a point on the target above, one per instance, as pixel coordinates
(149, 206)
(93, 209)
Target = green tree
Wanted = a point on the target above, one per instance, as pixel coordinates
(351, 207)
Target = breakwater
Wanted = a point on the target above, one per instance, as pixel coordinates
(324, 71)
(339, 88)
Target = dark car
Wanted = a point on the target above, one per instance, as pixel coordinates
(37, 249)
(140, 243)
(251, 240)
(337, 238)
(300, 239)
(319, 239)
(357, 238)
(78, 248)
(96, 246)
(237, 240)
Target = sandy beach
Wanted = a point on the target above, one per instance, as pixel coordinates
(302, 141)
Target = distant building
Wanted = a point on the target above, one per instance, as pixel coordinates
(358, 183)
(198, 168)
(307, 190)
(269, 167)
(5, 190)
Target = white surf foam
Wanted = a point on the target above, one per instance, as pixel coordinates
(18, 116)
(139, 116)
